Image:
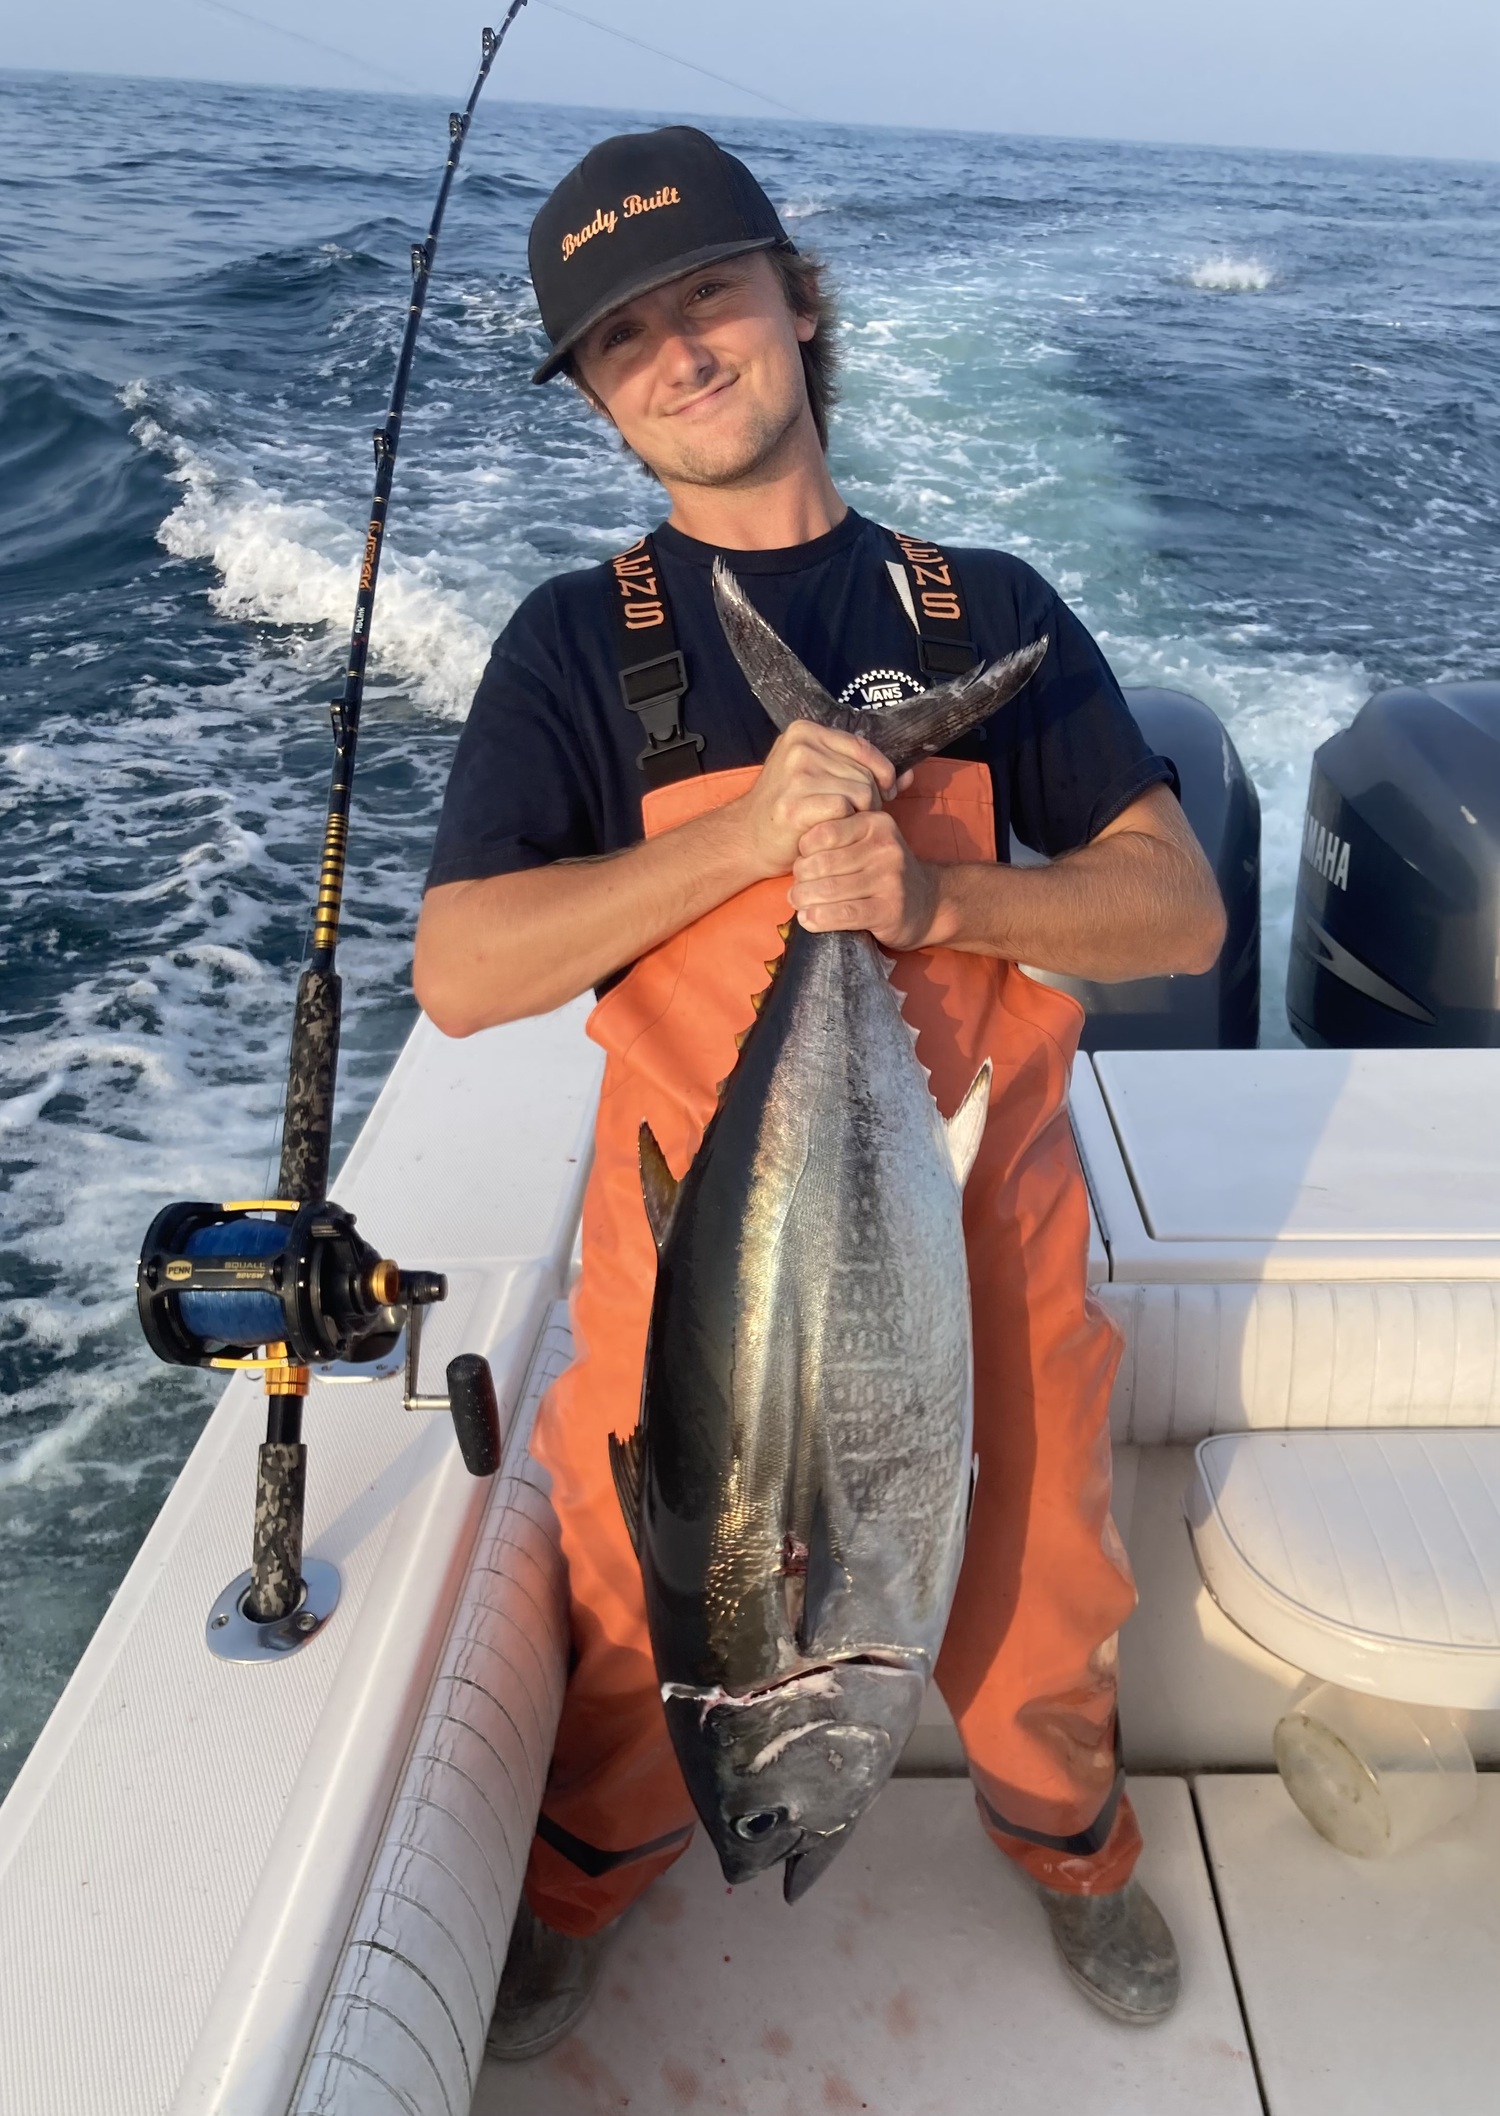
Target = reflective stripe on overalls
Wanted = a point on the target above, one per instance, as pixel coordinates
(1028, 1664)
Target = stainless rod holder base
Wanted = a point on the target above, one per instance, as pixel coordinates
(230, 1634)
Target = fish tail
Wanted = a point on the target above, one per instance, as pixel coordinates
(784, 687)
(921, 726)
(918, 728)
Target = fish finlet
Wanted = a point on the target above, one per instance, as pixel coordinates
(757, 1000)
(786, 930)
(658, 1186)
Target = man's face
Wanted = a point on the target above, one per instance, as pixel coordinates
(703, 377)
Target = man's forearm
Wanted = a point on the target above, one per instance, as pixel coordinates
(517, 944)
(1128, 905)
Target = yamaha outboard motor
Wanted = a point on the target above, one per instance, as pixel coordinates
(1396, 937)
(1220, 1009)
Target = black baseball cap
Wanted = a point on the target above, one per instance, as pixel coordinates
(638, 210)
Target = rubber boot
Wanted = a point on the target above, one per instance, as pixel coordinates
(545, 1987)
(1118, 1949)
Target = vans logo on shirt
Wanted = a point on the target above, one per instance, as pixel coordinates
(880, 687)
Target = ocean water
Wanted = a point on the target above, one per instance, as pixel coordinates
(1243, 408)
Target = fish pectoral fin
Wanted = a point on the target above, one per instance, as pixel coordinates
(625, 1468)
(823, 1572)
(965, 1128)
(658, 1187)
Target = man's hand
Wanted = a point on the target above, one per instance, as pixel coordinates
(511, 944)
(1139, 900)
(814, 776)
(858, 871)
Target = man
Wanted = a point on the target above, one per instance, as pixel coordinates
(624, 819)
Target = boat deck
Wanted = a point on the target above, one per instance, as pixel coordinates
(918, 1978)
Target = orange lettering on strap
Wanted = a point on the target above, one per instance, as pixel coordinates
(642, 616)
(933, 576)
(940, 606)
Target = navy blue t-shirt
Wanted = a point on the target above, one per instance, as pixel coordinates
(546, 765)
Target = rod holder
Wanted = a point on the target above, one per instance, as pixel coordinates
(231, 1633)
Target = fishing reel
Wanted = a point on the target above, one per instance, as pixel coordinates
(264, 1285)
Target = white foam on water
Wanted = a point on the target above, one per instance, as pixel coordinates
(289, 562)
(1230, 275)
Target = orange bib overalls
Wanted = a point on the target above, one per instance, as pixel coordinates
(1028, 1663)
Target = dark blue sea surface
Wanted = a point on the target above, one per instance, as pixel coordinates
(1243, 408)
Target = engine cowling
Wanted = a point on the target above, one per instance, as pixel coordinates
(1396, 932)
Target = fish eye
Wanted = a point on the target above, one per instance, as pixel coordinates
(759, 1824)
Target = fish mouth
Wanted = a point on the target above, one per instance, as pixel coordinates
(781, 1774)
(807, 1865)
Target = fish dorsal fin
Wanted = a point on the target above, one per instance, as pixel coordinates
(965, 1128)
(625, 1468)
(658, 1187)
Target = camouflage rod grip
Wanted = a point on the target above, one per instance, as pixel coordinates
(276, 1543)
(307, 1132)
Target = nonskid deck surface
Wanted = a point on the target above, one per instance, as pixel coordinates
(917, 1979)
(1369, 1985)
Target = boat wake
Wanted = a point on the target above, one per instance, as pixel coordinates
(288, 562)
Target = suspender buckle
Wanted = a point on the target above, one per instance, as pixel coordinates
(653, 690)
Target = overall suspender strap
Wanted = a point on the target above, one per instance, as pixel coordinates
(937, 606)
(653, 674)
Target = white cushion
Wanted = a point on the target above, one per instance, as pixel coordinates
(1369, 1559)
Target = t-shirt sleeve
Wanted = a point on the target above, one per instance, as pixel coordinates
(515, 796)
(1078, 757)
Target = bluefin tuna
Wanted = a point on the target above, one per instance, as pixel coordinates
(799, 1483)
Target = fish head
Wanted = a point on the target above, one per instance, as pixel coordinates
(783, 1773)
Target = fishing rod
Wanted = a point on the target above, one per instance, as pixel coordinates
(278, 1285)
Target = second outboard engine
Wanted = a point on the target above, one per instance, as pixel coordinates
(1396, 936)
(1219, 1010)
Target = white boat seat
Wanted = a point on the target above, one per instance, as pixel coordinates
(1368, 1559)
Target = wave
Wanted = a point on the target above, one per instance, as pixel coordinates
(76, 501)
(1230, 275)
(290, 563)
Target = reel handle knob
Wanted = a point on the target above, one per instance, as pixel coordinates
(476, 1413)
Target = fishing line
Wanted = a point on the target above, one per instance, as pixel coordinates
(555, 7)
(277, 29)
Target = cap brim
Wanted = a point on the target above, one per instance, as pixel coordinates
(660, 276)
